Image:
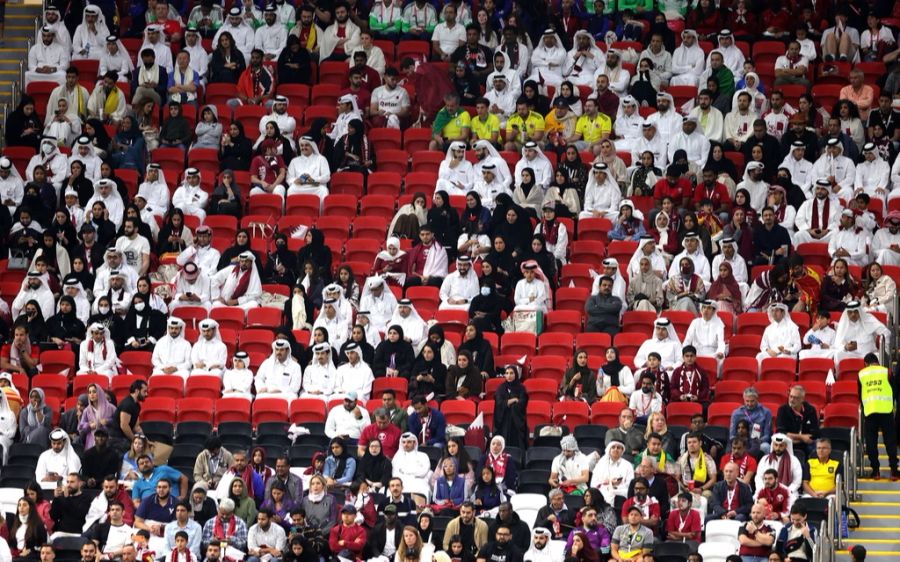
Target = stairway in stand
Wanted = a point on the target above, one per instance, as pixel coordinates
(879, 512)
(19, 29)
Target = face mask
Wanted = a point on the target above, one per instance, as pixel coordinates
(103, 309)
(139, 306)
(485, 291)
(46, 148)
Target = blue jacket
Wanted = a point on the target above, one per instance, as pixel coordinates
(456, 492)
(759, 415)
(349, 470)
(437, 427)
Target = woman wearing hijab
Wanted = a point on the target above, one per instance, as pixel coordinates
(394, 356)
(144, 325)
(690, 223)
(568, 93)
(503, 254)
(127, 147)
(96, 133)
(317, 252)
(236, 150)
(580, 381)
(33, 317)
(444, 219)
(506, 473)
(423, 524)
(409, 218)
(482, 355)
(226, 197)
(510, 405)
(535, 100)
(313, 285)
(107, 318)
(24, 126)
(575, 169)
(374, 468)
(685, 290)
(78, 182)
(467, 86)
(294, 63)
(428, 374)
(486, 308)
(281, 265)
(144, 288)
(55, 255)
(241, 244)
(526, 193)
(545, 260)
(515, 230)
(63, 231)
(391, 263)
(340, 466)
(463, 379)
(64, 327)
(35, 419)
(282, 143)
(726, 291)
(726, 173)
(475, 217)
(645, 289)
(615, 381)
(352, 152)
(98, 413)
(176, 130)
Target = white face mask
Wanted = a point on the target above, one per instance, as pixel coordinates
(104, 309)
(485, 291)
(139, 306)
(46, 148)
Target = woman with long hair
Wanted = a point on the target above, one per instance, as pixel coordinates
(140, 445)
(321, 510)
(227, 62)
(880, 290)
(35, 493)
(838, 288)
(487, 495)
(280, 505)
(413, 548)
(26, 531)
(851, 124)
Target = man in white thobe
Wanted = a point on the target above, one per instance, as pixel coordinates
(583, 60)
(849, 241)
(818, 218)
(155, 190)
(348, 419)
(190, 197)
(664, 342)
(57, 462)
(354, 376)
(667, 121)
(886, 242)
(201, 252)
(687, 60)
(873, 175)
(378, 301)
(531, 293)
(857, 332)
(711, 120)
(12, 190)
(286, 123)
(85, 153)
(800, 168)
(239, 285)
(548, 59)
(486, 154)
(707, 333)
(650, 141)
(734, 57)
(692, 251)
(47, 59)
(308, 172)
(320, 375)
(459, 287)
(193, 287)
(781, 338)
(90, 36)
(837, 169)
(270, 38)
(406, 316)
(691, 140)
(34, 289)
(172, 353)
(209, 354)
(280, 374)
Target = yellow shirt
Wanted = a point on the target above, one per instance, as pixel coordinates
(530, 125)
(592, 130)
(822, 475)
(453, 129)
(484, 130)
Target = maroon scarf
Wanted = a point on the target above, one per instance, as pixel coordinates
(825, 214)
(550, 231)
(243, 283)
(219, 531)
(784, 467)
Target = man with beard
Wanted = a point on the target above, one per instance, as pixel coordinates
(225, 527)
(47, 59)
(691, 141)
(111, 536)
(818, 218)
(755, 536)
(849, 241)
(390, 103)
(540, 550)
(838, 169)
(239, 285)
(770, 146)
(385, 538)
(711, 120)
(109, 493)
(154, 514)
(507, 517)
(772, 241)
(472, 530)
(271, 37)
(684, 523)
(100, 460)
(403, 506)
(473, 54)
(502, 549)
(798, 166)
(293, 486)
(666, 120)
(640, 498)
(240, 468)
(70, 506)
(150, 475)
(603, 309)
(631, 540)
(799, 132)
(788, 469)
(886, 242)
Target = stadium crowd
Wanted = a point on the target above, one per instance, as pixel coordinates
(650, 246)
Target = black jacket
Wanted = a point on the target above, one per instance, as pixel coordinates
(720, 495)
(377, 538)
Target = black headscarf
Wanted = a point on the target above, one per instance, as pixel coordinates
(612, 368)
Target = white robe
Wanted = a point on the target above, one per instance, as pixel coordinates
(157, 196)
(784, 333)
(881, 247)
(271, 39)
(94, 362)
(354, 378)
(414, 469)
(227, 282)
(543, 171)
(92, 42)
(855, 241)
(687, 65)
(525, 290)
(316, 167)
(456, 286)
(449, 175)
(206, 257)
(701, 265)
(864, 332)
(843, 170)
(796, 472)
(42, 295)
(172, 352)
(608, 470)
(657, 146)
(237, 383)
(803, 221)
(12, 189)
(603, 199)
(61, 463)
(696, 145)
(277, 379)
(871, 176)
(668, 125)
(40, 55)
(801, 173)
(212, 353)
(337, 328)
(55, 164)
(191, 199)
(739, 126)
(707, 336)
(669, 350)
(319, 380)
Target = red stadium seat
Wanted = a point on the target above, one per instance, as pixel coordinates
(325, 94)
(744, 369)
(256, 341)
(841, 415)
(458, 412)
(167, 386)
(518, 343)
(340, 205)
(780, 369)
(421, 182)
(571, 414)
(849, 368)
(303, 204)
(203, 386)
(680, 413)
(594, 229)
(730, 391)
(220, 93)
(606, 413)
(594, 343)
(486, 408)
(54, 386)
(416, 139)
(542, 389)
(572, 298)
(537, 412)
(815, 369)
(845, 392)
(58, 361)
(628, 343)
(362, 249)
(587, 251)
(382, 206)
(122, 383)
(398, 384)
(82, 382)
(396, 161)
(195, 410)
(305, 410)
(719, 413)
(264, 317)
(563, 321)
(427, 161)
(233, 409)
(621, 251)
(744, 345)
(754, 323)
(269, 410)
(638, 321)
(816, 394)
(298, 94)
(773, 391)
(157, 409)
(229, 317)
(577, 275)
(266, 204)
(313, 112)
(555, 343)
(137, 362)
(385, 137)
(347, 183)
(192, 315)
(549, 367)
(681, 320)
(384, 183)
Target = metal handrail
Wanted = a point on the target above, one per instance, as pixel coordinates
(834, 513)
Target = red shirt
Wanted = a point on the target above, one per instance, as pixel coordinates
(745, 465)
(719, 195)
(690, 524)
(389, 437)
(755, 550)
(7, 349)
(354, 538)
(264, 170)
(677, 192)
(650, 508)
(778, 499)
(418, 255)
